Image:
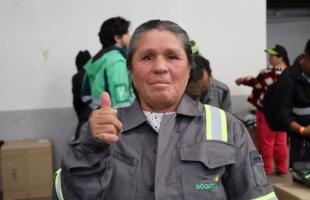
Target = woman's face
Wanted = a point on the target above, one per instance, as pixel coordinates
(160, 70)
(274, 60)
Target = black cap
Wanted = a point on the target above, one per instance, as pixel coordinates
(277, 50)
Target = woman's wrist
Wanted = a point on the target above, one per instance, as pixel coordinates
(302, 130)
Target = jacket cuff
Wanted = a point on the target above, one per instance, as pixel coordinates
(91, 143)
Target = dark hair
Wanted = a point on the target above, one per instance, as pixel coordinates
(285, 59)
(159, 25)
(202, 64)
(193, 87)
(116, 26)
(282, 53)
(307, 48)
(81, 59)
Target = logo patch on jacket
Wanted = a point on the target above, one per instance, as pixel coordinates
(208, 186)
(122, 93)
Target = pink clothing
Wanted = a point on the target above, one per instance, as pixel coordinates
(272, 144)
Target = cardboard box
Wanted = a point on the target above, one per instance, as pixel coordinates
(27, 169)
(292, 191)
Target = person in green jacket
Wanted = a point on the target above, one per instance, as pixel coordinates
(107, 71)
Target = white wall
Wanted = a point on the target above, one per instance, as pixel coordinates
(40, 39)
(291, 33)
(231, 34)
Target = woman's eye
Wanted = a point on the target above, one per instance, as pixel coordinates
(147, 57)
(172, 57)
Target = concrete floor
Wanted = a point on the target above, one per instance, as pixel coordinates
(274, 179)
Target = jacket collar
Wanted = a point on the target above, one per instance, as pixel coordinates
(133, 115)
(189, 107)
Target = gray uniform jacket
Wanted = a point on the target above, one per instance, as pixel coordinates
(218, 95)
(175, 163)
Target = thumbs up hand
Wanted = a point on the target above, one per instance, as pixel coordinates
(104, 123)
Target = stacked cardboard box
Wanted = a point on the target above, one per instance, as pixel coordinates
(26, 167)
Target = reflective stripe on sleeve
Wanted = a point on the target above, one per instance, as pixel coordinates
(301, 111)
(270, 196)
(216, 124)
(58, 184)
(86, 98)
(223, 125)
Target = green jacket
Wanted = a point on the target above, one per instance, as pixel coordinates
(108, 73)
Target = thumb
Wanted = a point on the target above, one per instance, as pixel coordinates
(105, 100)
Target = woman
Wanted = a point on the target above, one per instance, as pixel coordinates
(272, 144)
(163, 146)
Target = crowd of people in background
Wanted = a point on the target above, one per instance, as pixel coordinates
(107, 71)
(286, 110)
(272, 144)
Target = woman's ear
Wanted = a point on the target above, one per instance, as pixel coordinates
(117, 39)
(302, 58)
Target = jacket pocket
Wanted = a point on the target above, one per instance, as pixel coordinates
(257, 166)
(202, 167)
(124, 177)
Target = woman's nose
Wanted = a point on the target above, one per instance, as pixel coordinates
(160, 66)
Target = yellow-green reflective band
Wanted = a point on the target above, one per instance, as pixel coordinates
(216, 124)
(272, 52)
(270, 196)
(223, 126)
(208, 123)
(58, 184)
